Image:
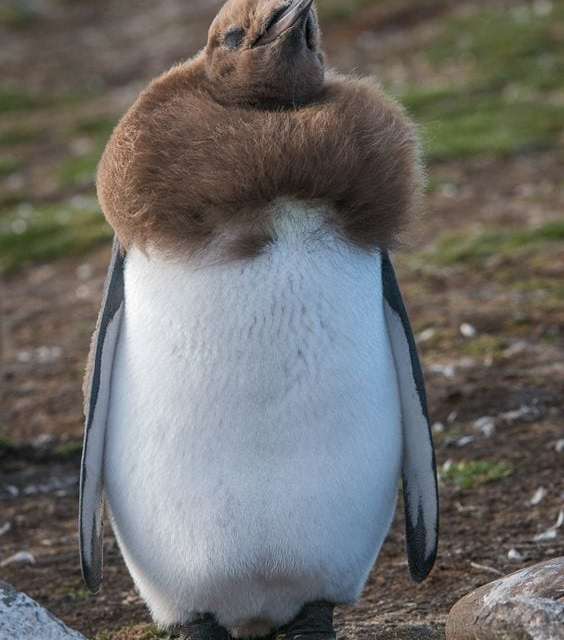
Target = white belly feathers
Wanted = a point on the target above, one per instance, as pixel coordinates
(254, 439)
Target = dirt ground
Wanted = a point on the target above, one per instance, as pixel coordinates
(490, 327)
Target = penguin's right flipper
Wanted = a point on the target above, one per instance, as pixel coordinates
(97, 396)
(419, 474)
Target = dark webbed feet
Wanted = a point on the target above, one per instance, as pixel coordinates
(314, 622)
(205, 628)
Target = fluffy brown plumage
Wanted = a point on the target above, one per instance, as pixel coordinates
(193, 159)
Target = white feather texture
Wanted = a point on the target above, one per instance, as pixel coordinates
(254, 441)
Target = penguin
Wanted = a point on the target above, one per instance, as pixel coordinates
(253, 395)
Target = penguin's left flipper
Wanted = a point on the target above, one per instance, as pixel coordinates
(97, 396)
(419, 474)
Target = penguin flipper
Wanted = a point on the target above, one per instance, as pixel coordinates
(419, 474)
(97, 395)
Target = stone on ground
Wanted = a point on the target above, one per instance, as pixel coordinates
(24, 619)
(526, 605)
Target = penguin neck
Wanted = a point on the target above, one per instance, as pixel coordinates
(293, 225)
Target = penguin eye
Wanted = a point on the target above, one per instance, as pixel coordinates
(234, 38)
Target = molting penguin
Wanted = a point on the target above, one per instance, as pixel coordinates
(254, 394)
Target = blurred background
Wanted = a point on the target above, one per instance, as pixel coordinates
(482, 272)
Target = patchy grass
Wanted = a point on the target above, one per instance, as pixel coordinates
(484, 346)
(15, 100)
(459, 125)
(18, 100)
(471, 474)
(473, 248)
(36, 234)
(17, 15)
(77, 595)
(7, 446)
(62, 453)
(522, 46)
(68, 450)
(9, 165)
(101, 127)
(550, 288)
(81, 170)
(509, 101)
(22, 134)
(138, 632)
(333, 10)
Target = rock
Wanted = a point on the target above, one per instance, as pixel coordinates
(22, 618)
(526, 605)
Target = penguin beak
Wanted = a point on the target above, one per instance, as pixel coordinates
(294, 14)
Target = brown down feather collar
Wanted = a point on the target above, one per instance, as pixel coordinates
(181, 168)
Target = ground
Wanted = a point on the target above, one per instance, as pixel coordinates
(482, 273)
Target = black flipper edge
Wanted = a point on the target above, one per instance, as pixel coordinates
(97, 395)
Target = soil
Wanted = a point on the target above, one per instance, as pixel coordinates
(49, 313)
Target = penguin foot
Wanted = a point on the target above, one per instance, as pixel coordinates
(257, 628)
(205, 628)
(315, 622)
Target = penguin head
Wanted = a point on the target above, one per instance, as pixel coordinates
(265, 53)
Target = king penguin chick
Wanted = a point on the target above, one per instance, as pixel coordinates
(254, 392)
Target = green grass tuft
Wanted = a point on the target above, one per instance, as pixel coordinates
(19, 135)
(17, 15)
(471, 248)
(9, 165)
(484, 345)
(509, 99)
(37, 234)
(471, 474)
(14, 100)
(79, 172)
(68, 450)
(78, 595)
(150, 633)
(458, 125)
(494, 128)
(20, 100)
(101, 128)
(6, 445)
(522, 47)
(333, 10)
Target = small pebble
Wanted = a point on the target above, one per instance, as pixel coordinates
(438, 427)
(467, 330)
(538, 496)
(426, 334)
(515, 556)
(21, 557)
(84, 271)
(465, 440)
(486, 425)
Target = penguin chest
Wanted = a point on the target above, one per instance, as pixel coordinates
(254, 415)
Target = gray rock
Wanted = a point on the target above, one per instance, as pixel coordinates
(22, 618)
(526, 605)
